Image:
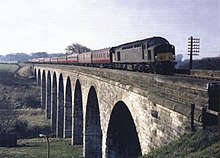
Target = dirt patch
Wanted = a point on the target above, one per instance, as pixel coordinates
(25, 71)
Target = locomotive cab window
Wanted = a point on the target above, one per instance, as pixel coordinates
(157, 41)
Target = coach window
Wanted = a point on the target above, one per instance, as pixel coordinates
(149, 54)
(119, 56)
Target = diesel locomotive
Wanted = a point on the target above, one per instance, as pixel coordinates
(153, 54)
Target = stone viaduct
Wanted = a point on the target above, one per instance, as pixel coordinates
(116, 113)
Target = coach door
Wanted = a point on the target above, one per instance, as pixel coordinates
(145, 53)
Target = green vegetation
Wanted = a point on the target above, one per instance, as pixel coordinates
(7, 76)
(27, 123)
(20, 113)
(201, 144)
(11, 68)
(37, 148)
(19, 105)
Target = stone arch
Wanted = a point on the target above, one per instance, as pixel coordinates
(68, 110)
(48, 100)
(122, 138)
(43, 90)
(77, 135)
(60, 108)
(93, 132)
(39, 78)
(54, 103)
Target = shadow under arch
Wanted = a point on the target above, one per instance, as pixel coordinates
(39, 78)
(54, 104)
(48, 101)
(77, 138)
(35, 74)
(93, 132)
(122, 139)
(68, 110)
(43, 90)
(60, 109)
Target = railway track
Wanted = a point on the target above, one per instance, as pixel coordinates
(198, 77)
(212, 75)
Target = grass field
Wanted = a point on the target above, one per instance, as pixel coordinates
(37, 148)
(8, 67)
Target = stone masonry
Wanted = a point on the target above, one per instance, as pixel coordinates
(157, 107)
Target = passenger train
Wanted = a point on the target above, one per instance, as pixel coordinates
(153, 54)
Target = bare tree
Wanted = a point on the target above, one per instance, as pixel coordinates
(76, 48)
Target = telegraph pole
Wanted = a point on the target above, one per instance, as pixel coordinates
(193, 48)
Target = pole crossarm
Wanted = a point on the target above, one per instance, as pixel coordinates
(193, 48)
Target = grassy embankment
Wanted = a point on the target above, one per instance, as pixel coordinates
(201, 144)
(19, 105)
(20, 113)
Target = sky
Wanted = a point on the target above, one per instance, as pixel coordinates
(51, 25)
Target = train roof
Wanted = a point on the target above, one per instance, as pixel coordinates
(73, 55)
(143, 40)
(103, 49)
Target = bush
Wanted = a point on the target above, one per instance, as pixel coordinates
(7, 122)
(21, 128)
(24, 130)
(32, 102)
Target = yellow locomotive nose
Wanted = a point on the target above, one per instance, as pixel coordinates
(164, 57)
